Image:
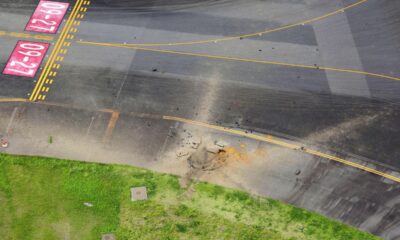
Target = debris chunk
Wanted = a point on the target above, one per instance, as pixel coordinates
(221, 144)
(4, 143)
(181, 153)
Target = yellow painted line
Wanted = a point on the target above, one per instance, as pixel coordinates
(111, 125)
(353, 164)
(284, 144)
(25, 35)
(263, 138)
(249, 60)
(19, 35)
(55, 51)
(232, 131)
(341, 10)
(9, 100)
(40, 37)
(22, 100)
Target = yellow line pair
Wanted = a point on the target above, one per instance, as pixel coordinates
(140, 47)
(35, 95)
(245, 60)
(341, 10)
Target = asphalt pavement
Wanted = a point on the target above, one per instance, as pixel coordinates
(322, 74)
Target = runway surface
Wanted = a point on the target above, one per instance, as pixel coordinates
(125, 81)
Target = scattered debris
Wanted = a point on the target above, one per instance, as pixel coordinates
(50, 139)
(108, 236)
(297, 172)
(88, 204)
(221, 144)
(155, 70)
(138, 193)
(182, 153)
(171, 133)
(4, 143)
(208, 157)
(195, 141)
(213, 148)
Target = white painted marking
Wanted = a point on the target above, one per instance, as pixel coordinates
(171, 129)
(89, 150)
(26, 59)
(11, 120)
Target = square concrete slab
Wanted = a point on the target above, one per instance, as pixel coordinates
(138, 193)
(108, 237)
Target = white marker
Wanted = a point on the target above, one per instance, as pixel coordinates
(25, 59)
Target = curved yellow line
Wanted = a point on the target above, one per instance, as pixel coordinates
(377, 75)
(269, 139)
(341, 10)
(275, 141)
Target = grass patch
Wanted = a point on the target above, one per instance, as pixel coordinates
(43, 198)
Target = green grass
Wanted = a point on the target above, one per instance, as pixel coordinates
(43, 198)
